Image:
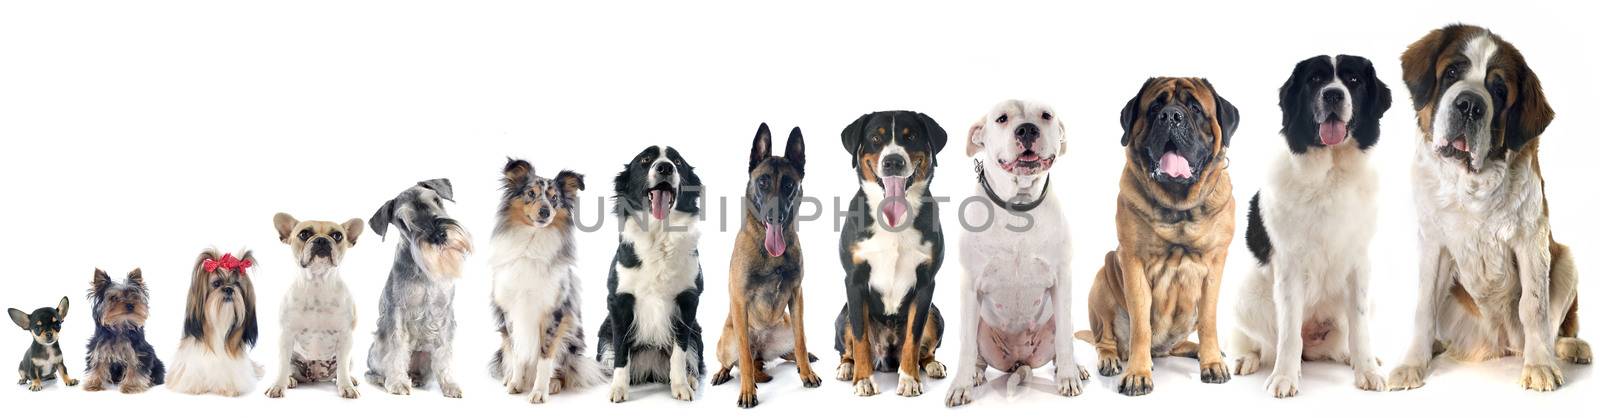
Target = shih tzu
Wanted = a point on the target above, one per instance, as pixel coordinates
(318, 314)
(118, 352)
(219, 328)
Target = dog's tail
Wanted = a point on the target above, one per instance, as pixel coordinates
(1085, 336)
(581, 372)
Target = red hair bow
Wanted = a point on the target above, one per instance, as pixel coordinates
(227, 262)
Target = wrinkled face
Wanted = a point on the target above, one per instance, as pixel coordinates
(657, 181)
(124, 304)
(1475, 97)
(1018, 137)
(1329, 100)
(894, 155)
(44, 323)
(437, 242)
(773, 192)
(536, 201)
(317, 245)
(1175, 129)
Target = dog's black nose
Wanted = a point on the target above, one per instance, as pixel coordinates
(1027, 133)
(1470, 106)
(1333, 96)
(1171, 115)
(894, 165)
(664, 169)
(320, 241)
(544, 212)
(227, 291)
(128, 306)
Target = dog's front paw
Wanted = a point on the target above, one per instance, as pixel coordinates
(721, 376)
(866, 387)
(1283, 385)
(450, 390)
(1370, 380)
(398, 387)
(934, 369)
(70, 382)
(909, 386)
(810, 379)
(93, 385)
(1215, 372)
(1574, 350)
(276, 391)
(1247, 365)
(845, 372)
(1070, 384)
(1110, 366)
(133, 388)
(683, 391)
(1406, 377)
(1543, 378)
(537, 396)
(747, 399)
(1136, 383)
(619, 389)
(294, 383)
(959, 395)
(349, 392)
(35, 386)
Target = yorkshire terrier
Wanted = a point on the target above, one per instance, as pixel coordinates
(118, 352)
(44, 359)
(218, 329)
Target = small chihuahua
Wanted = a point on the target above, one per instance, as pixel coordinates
(44, 358)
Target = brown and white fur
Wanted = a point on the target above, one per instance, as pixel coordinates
(218, 330)
(536, 287)
(1494, 282)
(1016, 287)
(318, 315)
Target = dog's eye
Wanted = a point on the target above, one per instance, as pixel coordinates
(910, 137)
(1002, 119)
(216, 283)
(764, 183)
(337, 236)
(305, 235)
(1316, 79)
(877, 139)
(1355, 80)
(1450, 73)
(1046, 116)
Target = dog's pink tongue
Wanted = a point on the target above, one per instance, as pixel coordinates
(1332, 132)
(894, 200)
(774, 242)
(658, 204)
(1175, 166)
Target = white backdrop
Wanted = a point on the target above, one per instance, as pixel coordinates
(138, 134)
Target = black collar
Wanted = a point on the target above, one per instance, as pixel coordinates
(983, 179)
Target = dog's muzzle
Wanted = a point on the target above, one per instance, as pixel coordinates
(1176, 152)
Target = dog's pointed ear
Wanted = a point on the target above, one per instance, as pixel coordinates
(380, 219)
(570, 182)
(975, 135)
(1131, 111)
(136, 277)
(19, 317)
(853, 138)
(285, 225)
(516, 172)
(1227, 115)
(440, 186)
(61, 308)
(1417, 67)
(936, 136)
(795, 151)
(1529, 113)
(101, 280)
(352, 230)
(761, 147)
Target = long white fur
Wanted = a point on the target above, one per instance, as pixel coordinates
(205, 366)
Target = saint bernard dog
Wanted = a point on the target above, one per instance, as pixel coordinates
(1494, 281)
(1309, 228)
(650, 334)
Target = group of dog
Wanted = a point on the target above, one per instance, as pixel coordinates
(1494, 282)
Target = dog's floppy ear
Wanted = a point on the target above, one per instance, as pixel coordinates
(1367, 132)
(1529, 114)
(247, 332)
(795, 151)
(136, 277)
(1227, 115)
(61, 308)
(285, 224)
(100, 282)
(975, 135)
(1131, 111)
(440, 186)
(570, 183)
(194, 319)
(380, 220)
(1296, 126)
(1417, 67)
(852, 136)
(19, 317)
(352, 230)
(761, 148)
(936, 136)
(516, 172)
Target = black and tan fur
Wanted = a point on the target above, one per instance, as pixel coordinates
(44, 360)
